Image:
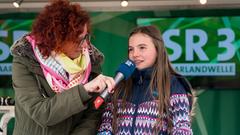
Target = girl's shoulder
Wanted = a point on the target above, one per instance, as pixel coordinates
(180, 85)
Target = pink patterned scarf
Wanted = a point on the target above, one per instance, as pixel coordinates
(56, 75)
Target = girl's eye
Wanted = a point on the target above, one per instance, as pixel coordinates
(142, 47)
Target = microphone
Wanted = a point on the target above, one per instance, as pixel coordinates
(124, 71)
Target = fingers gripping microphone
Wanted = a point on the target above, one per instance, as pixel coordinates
(124, 71)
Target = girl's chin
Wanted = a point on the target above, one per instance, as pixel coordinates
(139, 68)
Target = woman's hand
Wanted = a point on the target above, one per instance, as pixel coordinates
(99, 83)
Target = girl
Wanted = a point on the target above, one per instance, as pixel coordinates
(155, 99)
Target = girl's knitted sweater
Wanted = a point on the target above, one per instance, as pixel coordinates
(140, 114)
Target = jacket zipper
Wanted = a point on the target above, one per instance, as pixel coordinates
(140, 83)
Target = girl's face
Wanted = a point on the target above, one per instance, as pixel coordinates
(73, 50)
(142, 51)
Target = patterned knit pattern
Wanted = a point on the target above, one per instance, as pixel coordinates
(141, 115)
(180, 113)
(141, 119)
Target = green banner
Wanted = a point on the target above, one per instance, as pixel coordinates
(206, 49)
(10, 31)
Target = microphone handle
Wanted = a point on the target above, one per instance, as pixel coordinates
(104, 94)
(98, 102)
(100, 99)
(118, 77)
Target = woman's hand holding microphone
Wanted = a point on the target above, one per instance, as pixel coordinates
(99, 83)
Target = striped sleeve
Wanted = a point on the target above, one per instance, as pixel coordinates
(106, 125)
(180, 109)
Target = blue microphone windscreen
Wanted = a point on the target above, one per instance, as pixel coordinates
(126, 69)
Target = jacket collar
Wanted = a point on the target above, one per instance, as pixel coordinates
(144, 74)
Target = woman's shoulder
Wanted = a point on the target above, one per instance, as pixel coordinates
(22, 53)
(22, 48)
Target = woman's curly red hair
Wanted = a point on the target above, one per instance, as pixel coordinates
(57, 23)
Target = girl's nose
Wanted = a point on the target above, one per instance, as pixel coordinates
(135, 53)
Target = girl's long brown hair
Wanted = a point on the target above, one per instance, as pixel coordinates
(160, 80)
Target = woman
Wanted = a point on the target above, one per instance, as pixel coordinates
(155, 99)
(56, 73)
